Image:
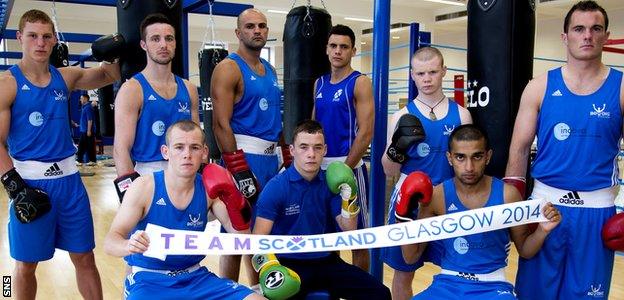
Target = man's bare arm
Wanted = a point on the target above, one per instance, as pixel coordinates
(223, 86)
(365, 116)
(90, 78)
(128, 105)
(8, 91)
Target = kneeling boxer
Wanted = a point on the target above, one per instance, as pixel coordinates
(473, 266)
(176, 198)
(301, 201)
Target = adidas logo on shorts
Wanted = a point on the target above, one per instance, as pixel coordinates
(54, 170)
(572, 198)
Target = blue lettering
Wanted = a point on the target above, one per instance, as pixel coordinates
(484, 219)
(355, 239)
(395, 234)
(423, 229)
(436, 227)
(369, 238)
(452, 225)
(215, 243)
(275, 244)
(323, 244)
(244, 244)
(466, 217)
(313, 240)
(189, 242)
(340, 241)
(264, 244)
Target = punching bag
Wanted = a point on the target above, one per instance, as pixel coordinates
(130, 14)
(59, 57)
(501, 34)
(106, 99)
(208, 60)
(305, 38)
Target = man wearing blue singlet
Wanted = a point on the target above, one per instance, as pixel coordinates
(473, 266)
(344, 106)
(48, 204)
(176, 198)
(148, 103)
(247, 121)
(439, 116)
(576, 113)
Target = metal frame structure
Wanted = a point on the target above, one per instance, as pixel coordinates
(189, 6)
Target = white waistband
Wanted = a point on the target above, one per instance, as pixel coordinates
(34, 170)
(329, 160)
(595, 199)
(149, 167)
(498, 275)
(254, 145)
(172, 273)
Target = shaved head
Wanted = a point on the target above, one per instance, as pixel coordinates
(245, 13)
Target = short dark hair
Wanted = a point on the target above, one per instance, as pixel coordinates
(35, 16)
(153, 19)
(308, 126)
(585, 6)
(343, 30)
(468, 132)
(186, 126)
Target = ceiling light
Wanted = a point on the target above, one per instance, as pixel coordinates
(448, 2)
(283, 12)
(359, 19)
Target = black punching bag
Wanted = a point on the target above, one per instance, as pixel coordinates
(208, 60)
(106, 99)
(59, 57)
(130, 14)
(501, 34)
(305, 38)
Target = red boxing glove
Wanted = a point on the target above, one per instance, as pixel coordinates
(243, 177)
(219, 184)
(417, 187)
(286, 157)
(613, 233)
(518, 182)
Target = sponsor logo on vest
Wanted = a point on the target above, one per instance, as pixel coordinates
(337, 95)
(423, 149)
(183, 108)
(596, 291)
(59, 95)
(195, 221)
(263, 104)
(599, 112)
(158, 128)
(572, 198)
(25, 87)
(448, 130)
(54, 170)
(557, 93)
(35, 119)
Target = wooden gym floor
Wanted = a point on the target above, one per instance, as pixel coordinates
(56, 277)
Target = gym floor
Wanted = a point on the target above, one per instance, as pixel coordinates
(56, 278)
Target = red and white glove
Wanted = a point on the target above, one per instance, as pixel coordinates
(417, 187)
(613, 233)
(243, 176)
(219, 184)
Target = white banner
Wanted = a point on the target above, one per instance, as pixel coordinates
(165, 241)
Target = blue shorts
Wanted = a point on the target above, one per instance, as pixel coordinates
(201, 284)
(451, 287)
(393, 257)
(573, 262)
(67, 226)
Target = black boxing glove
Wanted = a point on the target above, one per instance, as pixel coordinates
(408, 131)
(122, 183)
(244, 178)
(108, 48)
(29, 203)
